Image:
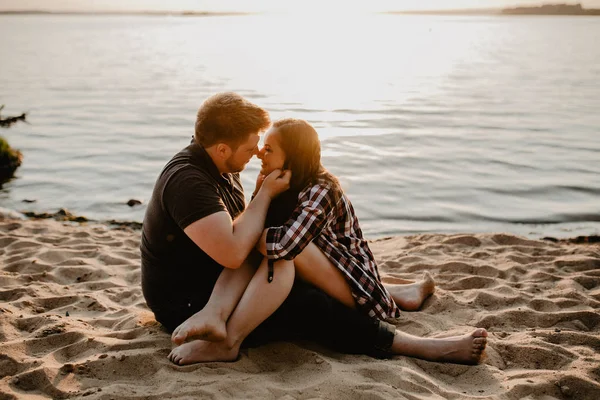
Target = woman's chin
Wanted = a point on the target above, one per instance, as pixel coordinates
(266, 171)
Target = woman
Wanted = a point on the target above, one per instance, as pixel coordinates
(312, 235)
(315, 217)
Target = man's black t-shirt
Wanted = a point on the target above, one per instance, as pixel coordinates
(175, 271)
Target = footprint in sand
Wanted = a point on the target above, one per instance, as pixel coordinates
(9, 366)
(511, 240)
(10, 295)
(39, 380)
(532, 356)
(464, 240)
(576, 320)
(10, 226)
(470, 282)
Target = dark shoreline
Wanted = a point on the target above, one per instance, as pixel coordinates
(64, 215)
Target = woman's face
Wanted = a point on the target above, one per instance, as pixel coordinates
(271, 154)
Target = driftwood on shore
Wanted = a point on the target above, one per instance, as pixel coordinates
(10, 159)
(8, 121)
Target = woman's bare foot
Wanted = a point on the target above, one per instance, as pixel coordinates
(198, 351)
(466, 349)
(202, 325)
(410, 297)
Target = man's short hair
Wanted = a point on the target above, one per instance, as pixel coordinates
(229, 118)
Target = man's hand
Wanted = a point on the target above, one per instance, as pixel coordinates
(276, 183)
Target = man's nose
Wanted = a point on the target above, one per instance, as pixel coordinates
(260, 152)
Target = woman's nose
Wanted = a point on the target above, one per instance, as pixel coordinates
(260, 153)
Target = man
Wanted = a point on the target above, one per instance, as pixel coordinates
(198, 241)
(195, 224)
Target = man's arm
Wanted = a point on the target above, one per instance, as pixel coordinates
(229, 242)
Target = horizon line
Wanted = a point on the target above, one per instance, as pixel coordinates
(199, 13)
(226, 13)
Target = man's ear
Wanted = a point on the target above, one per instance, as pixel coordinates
(223, 151)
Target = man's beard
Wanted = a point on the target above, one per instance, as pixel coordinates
(233, 168)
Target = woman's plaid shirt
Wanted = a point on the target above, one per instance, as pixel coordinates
(335, 230)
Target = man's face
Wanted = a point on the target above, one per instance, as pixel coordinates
(238, 159)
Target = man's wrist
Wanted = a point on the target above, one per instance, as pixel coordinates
(262, 193)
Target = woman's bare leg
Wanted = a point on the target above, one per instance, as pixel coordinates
(210, 322)
(410, 296)
(258, 302)
(315, 268)
(466, 349)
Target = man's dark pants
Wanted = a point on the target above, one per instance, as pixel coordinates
(307, 314)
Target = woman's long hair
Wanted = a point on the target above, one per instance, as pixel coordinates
(302, 148)
(300, 143)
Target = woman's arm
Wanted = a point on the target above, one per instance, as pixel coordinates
(261, 245)
(307, 221)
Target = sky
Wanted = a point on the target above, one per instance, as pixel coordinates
(269, 5)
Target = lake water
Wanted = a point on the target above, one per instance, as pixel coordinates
(433, 124)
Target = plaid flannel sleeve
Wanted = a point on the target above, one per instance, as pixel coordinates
(306, 223)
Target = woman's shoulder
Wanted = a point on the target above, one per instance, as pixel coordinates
(322, 188)
(320, 185)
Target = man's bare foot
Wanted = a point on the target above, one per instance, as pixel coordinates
(410, 297)
(198, 351)
(202, 325)
(466, 349)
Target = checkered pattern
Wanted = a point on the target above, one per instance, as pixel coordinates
(335, 231)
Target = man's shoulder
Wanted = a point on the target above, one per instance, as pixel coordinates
(186, 176)
(181, 163)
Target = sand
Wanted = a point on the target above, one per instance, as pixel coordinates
(73, 324)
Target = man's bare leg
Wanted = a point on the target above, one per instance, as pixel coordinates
(210, 322)
(466, 349)
(410, 296)
(258, 302)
